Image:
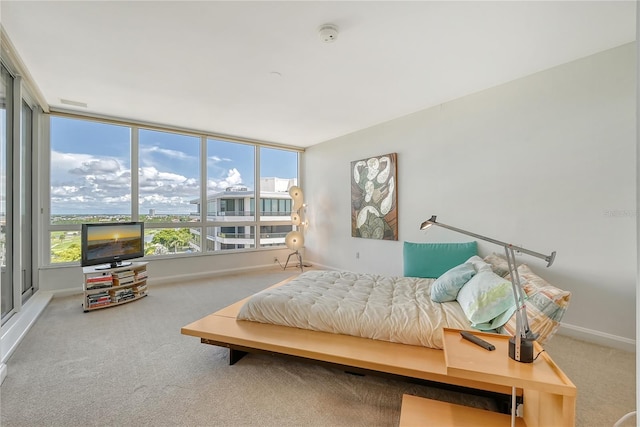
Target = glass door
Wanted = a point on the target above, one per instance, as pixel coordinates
(26, 233)
(6, 125)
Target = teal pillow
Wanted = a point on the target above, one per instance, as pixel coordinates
(487, 300)
(432, 260)
(446, 287)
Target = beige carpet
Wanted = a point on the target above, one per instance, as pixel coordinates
(129, 365)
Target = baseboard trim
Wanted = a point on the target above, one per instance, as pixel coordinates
(597, 337)
(165, 280)
(59, 293)
(204, 274)
(322, 266)
(3, 372)
(18, 326)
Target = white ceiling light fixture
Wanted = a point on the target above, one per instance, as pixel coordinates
(328, 33)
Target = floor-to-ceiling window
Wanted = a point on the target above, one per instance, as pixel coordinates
(24, 199)
(196, 193)
(169, 180)
(90, 180)
(6, 223)
(278, 172)
(16, 231)
(231, 187)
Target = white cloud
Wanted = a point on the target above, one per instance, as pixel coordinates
(216, 159)
(146, 150)
(85, 183)
(151, 179)
(97, 166)
(83, 179)
(233, 178)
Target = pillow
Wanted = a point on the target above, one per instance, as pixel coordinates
(479, 264)
(498, 263)
(432, 260)
(546, 305)
(487, 297)
(446, 287)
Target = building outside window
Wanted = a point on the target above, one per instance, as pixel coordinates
(235, 203)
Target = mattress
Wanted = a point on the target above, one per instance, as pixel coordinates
(394, 309)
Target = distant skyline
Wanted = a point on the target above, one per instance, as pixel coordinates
(91, 168)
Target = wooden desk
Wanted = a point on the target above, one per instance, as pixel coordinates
(549, 397)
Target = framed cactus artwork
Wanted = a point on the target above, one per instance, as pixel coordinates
(374, 198)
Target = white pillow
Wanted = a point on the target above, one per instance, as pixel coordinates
(479, 264)
(447, 286)
(485, 297)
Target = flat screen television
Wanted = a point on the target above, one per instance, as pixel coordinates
(111, 244)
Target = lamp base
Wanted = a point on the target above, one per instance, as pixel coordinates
(300, 264)
(526, 349)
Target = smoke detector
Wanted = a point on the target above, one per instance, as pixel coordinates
(328, 33)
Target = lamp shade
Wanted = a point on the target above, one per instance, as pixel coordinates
(296, 194)
(294, 240)
(295, 218)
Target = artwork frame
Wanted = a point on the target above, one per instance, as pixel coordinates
(374, 197)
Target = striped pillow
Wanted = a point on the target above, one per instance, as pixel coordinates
(545, 305)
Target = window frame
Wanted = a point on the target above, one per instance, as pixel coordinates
(203, 223)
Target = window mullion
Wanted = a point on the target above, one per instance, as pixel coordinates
(135, 173)
(203, 186)
(256, 195)
(15, 173)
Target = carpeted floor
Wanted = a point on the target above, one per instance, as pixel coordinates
(129, 365)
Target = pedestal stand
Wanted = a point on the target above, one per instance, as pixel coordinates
(298, 255)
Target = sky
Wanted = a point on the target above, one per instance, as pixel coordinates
(91, 168)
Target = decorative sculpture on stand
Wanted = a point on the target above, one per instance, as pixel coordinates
(295, 238)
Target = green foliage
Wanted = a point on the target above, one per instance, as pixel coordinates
(149, 249)
(69, 254)
(172, 239)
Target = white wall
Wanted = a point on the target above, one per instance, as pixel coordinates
(546, 162)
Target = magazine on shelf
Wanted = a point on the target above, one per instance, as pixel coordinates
(98, 279)
(123, 282)
(122, 274)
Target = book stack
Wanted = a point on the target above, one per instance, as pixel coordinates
(140, 290)
(141, 275)
(122, 278)
(121, 295)
(100, 280)
(98, 299)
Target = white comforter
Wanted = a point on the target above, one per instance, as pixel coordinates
(396, 309)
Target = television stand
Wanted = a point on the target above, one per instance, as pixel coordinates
(106, 286)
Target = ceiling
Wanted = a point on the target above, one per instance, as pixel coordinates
(259, 70)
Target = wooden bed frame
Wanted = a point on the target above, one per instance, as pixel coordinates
(549, 400)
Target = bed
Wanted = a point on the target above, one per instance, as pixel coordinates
(409, 310)
(393, 309)
(369, 324)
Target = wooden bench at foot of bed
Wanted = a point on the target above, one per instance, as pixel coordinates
(362, 354)
(419, 411)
